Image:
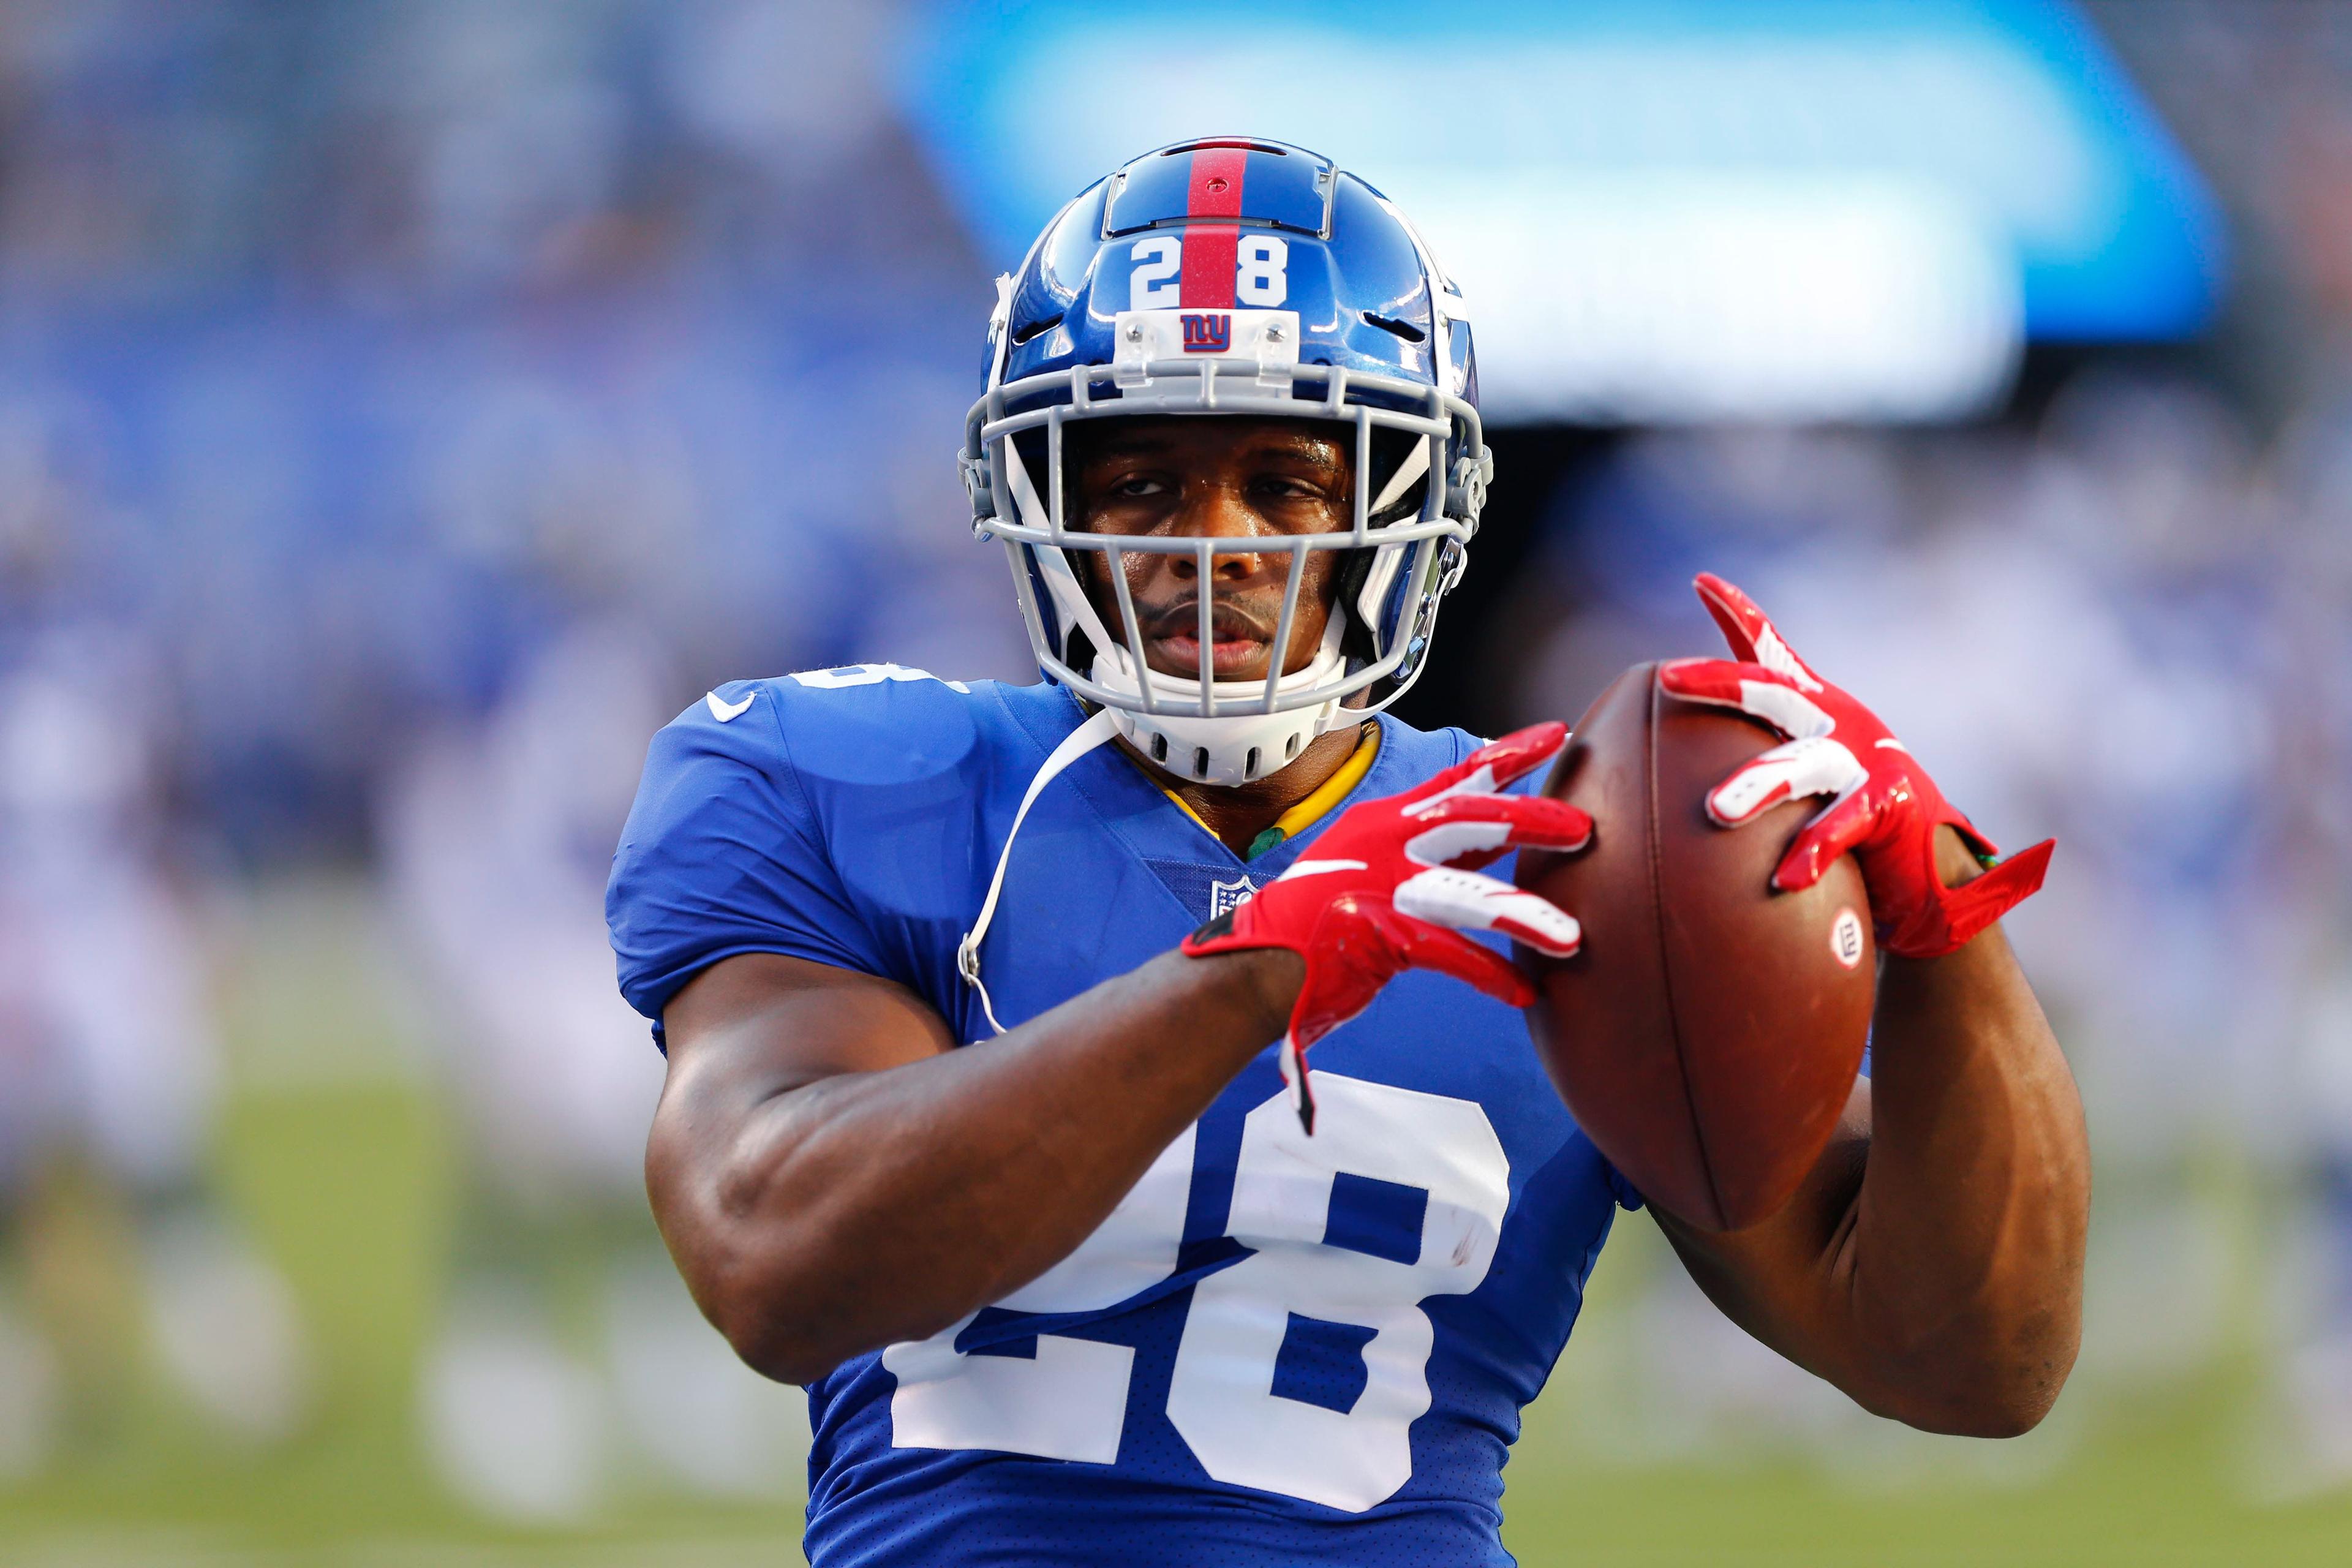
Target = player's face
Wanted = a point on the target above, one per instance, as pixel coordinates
(1233, 478)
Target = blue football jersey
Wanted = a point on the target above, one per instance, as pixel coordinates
(1279, 1348)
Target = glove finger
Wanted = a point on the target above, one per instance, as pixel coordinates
(1715, 680)
(1434, 947)
(1845, 823)
(1467, 900)
(1755, 690)
(1734, 612)
(1474, 830)
(1495, 764)
(1520, 753)
(1815, 765)
(1750, 632)
(1450, 953)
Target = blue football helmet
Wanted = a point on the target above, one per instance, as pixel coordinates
(1235, 276)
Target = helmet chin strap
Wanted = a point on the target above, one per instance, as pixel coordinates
(1221, 737)
(1075, 744)
(1415, 464)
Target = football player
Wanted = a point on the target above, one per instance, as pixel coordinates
(987, 1116)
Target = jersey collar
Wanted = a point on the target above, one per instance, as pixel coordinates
(1156, 829)
(1307, 813)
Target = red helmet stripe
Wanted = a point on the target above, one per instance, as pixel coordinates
(1210, 263)
(1213, 191)
(1216, 182)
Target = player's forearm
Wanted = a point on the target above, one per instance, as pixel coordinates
(873, 1207)
(1963, 1265)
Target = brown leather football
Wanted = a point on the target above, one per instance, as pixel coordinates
(1708, 1031)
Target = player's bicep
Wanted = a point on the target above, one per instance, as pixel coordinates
(748, 1031)
(744, 1035)
(766, 1024)
(750, 1038)
(1787, 1280)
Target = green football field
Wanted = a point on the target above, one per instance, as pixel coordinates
(346, 1168)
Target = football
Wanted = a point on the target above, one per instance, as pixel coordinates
(1708, 1031)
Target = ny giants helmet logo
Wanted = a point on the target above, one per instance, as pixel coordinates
(1207, 334)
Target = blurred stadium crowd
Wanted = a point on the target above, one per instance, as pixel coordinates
(404, 408)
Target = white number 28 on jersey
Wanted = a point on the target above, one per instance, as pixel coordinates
(1334, 1262)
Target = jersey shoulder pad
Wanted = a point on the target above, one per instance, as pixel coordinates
(804, 814)
(1418, 754)
(860, 724)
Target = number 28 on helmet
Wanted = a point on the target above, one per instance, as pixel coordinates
(1233, 277)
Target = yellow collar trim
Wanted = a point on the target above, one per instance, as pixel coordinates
(1333, 790)
(1308, 812)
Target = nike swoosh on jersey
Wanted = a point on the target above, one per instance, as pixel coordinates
(722, 710)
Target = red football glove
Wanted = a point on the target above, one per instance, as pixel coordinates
(1884, 807)
(1390, 884)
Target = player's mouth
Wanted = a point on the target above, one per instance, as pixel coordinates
(1237, 649)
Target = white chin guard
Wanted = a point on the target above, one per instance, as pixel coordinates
(1235, 745)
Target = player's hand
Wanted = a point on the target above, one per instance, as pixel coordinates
(1393, 882)
(1884, 808)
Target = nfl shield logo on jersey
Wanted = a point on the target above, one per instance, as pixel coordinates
(1225, 898)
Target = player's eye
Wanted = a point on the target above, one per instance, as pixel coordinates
(1137, 485)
